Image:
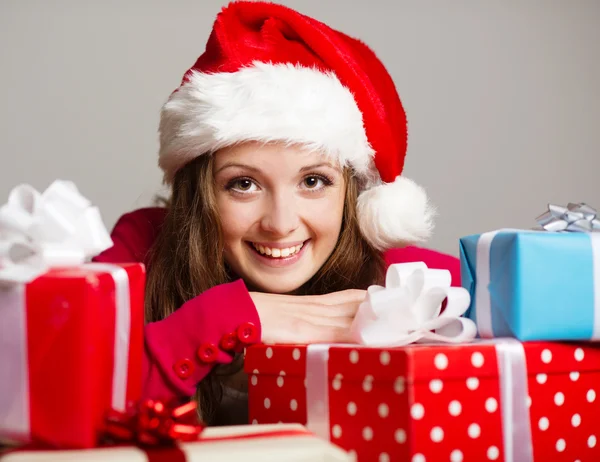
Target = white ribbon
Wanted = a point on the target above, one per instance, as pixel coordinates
(317, 395)
(409, 309)
(39, 230)
(122, 331)
(514, 390)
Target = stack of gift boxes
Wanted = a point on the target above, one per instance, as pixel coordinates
(416, 385)
(71, 343)
(525, 389)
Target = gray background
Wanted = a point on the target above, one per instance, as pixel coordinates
(502, 97)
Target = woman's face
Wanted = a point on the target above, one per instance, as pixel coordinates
(281, 211)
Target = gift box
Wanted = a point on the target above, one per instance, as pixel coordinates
(488, 400)
(71, 333)
(533, 285)
(261, 443)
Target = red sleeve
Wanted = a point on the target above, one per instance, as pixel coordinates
(181, 349)
(133, 236)
(431, 258)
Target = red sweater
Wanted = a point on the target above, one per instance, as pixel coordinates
(181, 349)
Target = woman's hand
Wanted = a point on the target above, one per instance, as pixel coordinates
(309, 318)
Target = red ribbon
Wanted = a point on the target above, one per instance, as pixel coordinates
(153, 423)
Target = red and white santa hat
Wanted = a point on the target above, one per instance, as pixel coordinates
(271, 74)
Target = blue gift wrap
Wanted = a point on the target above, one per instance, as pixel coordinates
(533, 285)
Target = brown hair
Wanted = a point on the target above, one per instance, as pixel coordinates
(187, 259)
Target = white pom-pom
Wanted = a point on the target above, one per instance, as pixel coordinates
(395, 214)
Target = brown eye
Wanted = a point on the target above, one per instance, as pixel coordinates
(244, 185)
(311, 181)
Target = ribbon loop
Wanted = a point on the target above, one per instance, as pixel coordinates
(409, 309)
(58, 227)
(153, 423)
(574, 218)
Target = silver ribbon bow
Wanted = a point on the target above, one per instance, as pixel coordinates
(409, 309)
(40, 230)
(574, 217)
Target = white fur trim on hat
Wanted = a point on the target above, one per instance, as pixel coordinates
(395, 214)
(264, 102)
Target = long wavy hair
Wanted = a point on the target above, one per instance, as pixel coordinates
(187, 259)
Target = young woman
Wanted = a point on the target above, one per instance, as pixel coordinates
(284, 148)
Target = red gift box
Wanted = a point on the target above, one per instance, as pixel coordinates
(436, 402)
(71, 350)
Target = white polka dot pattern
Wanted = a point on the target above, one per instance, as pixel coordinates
(474, 431)
(456, 456)
(437, 434)
(491, 405)
(477, 359)
(336, 431)
(383, 410)
(438, 403)
(493, 453)
(399, 385)
(441, 361)
(436, 385)
(351, 408)
(384, 358)
(472, 383)
(417, 411)
(454, 408)
(400, 436)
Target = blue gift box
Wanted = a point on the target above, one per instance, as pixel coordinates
(533, 285)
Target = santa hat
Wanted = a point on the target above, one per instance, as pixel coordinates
(272, 74)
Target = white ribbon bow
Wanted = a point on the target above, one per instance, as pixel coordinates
(409, 309)
(56, 228)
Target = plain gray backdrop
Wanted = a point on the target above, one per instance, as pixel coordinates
(502, 97)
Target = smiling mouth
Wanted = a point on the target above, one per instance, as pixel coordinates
(276, 253)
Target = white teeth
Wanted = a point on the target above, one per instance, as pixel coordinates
(277, 252)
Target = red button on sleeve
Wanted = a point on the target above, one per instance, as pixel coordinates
(229, 341)
(183, 368)
(247, 333)
(207, 353)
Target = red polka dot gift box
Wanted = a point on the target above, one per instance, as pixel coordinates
(498, 400)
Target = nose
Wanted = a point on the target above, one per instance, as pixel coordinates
(281, 215)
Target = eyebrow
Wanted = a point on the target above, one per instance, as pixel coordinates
(257, 170)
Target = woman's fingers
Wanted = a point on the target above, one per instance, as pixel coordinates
(347, 309)
(334, 298)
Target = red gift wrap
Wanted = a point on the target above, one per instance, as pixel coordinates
(71, 350)
(492, 400)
